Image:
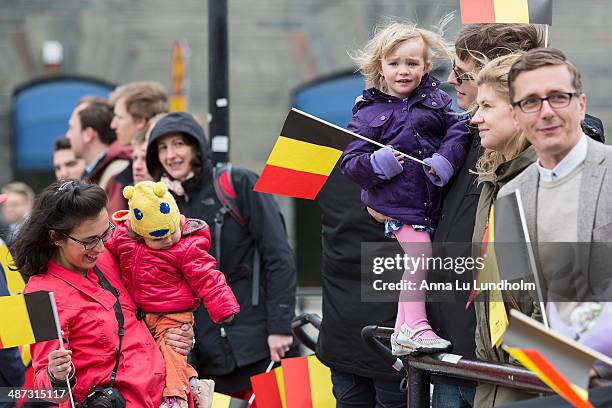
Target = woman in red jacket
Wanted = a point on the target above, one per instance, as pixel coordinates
(61, 248)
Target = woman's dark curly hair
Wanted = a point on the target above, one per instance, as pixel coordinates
(61, 207)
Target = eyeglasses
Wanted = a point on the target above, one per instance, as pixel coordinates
(556, 100)
(460, 77)
(92, 242)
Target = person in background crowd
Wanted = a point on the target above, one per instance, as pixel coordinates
(139, 155)
(65, 164)
(139, 152)
(93, 140)
(17, 199)
(134, 106)
(254, 255)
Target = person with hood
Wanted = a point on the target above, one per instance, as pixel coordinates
(178, 154)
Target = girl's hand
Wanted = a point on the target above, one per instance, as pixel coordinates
(432, 171)
(399, 157)
(60, 364)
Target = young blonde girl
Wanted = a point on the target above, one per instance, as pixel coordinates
(404, 107)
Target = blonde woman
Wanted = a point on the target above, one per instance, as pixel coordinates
(507, 153)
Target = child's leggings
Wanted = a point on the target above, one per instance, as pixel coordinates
(178, 372)
(411, 307)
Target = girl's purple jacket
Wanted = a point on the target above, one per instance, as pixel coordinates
(420, 125)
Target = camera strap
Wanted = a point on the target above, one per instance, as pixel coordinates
(118, 314)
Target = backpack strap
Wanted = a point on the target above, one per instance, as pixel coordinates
(226, 194)
(224, 189)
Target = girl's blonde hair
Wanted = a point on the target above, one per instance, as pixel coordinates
(495, 75)
(387, 38)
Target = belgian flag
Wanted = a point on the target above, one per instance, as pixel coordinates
(506, 11)
(300, 382)
(304, 155)
(26, 319)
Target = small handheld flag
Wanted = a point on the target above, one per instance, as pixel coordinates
(506, 11)
(26, 319)
(560, 362)
(269, 388)
(515, 260)
(300, 382)
(307, 383)
(305, 154)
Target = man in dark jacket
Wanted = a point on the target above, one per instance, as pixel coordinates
(230, 354)
(359, 377)
(453, 237)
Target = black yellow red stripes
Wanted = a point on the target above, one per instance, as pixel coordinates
(506, 11)
(303, 157)
(307, 128)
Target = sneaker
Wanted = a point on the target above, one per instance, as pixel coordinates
(202, 392)
(173, 402)
(410, 339)
(399, 349)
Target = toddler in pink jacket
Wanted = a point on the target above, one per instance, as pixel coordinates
(166, 267)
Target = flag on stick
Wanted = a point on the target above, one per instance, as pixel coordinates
(303, 157)
(498, 318)
(561, 363)
(269, 389)
(305, 154)
(506, 11)
(514, 252)
(26, 319)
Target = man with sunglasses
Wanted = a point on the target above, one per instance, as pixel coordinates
(566, 196)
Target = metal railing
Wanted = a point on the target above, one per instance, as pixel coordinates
(297, 327)
(418, 370)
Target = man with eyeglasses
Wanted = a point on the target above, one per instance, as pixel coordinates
(567, 198)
